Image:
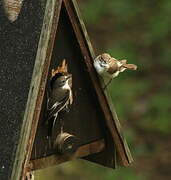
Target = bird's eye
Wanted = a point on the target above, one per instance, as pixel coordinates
(63, 81)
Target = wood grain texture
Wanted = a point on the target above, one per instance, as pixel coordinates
(18, 48)
(87, 127)
(36, 92)
(84, 150)
(39, 80)
(104, 98)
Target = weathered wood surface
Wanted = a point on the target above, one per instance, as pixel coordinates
(17, 54)
(84, 150)
(85, 119)
(18, 48)
(19, 117)
(66, 47)
(106, 102)
(38, 83)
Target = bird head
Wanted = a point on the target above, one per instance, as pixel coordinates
(105, 57)
(61, 81)
(101, 61)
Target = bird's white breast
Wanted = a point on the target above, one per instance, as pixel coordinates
(66, 86)
(100, 70)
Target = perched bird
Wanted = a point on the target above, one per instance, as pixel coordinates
(59, 98)
(109, 67)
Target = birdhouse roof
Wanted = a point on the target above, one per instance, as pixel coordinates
(104, 97)
(26, 54)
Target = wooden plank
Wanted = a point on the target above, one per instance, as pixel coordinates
(127, 152)
(82, 151)
(37, 87)
(104, 98)
(87, 127)
(18, 48)
(106, 158)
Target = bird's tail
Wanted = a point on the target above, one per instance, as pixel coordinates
(130, 66)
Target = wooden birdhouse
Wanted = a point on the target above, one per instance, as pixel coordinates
(36, 40)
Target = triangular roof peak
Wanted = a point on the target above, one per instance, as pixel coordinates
(105, 100)
(45, 54)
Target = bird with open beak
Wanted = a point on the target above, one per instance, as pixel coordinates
(107, 66)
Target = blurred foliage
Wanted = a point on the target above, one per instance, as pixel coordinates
(81, 170)
(139, 31)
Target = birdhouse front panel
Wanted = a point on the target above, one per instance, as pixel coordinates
(88, 127)
(54, 105)
(84, 119)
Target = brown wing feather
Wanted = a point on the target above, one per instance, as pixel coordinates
(130, 66)
(113, 66)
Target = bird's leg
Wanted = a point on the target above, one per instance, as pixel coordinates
(107, 84)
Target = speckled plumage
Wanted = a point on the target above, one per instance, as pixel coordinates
(59, 98)
(107, 66)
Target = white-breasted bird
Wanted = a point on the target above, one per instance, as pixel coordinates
(109, 67)
(59, 98)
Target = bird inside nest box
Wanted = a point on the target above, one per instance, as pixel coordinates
(68, 113)
(77, 119)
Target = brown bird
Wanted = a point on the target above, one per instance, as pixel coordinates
(107, 66)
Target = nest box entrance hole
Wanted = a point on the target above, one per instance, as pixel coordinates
(85, 119)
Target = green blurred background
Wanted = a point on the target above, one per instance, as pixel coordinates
(140, 31)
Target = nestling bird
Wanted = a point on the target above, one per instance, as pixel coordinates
(59, 98)
(109, 67)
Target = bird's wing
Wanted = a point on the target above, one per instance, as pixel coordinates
(57, 106)
(113, 67)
